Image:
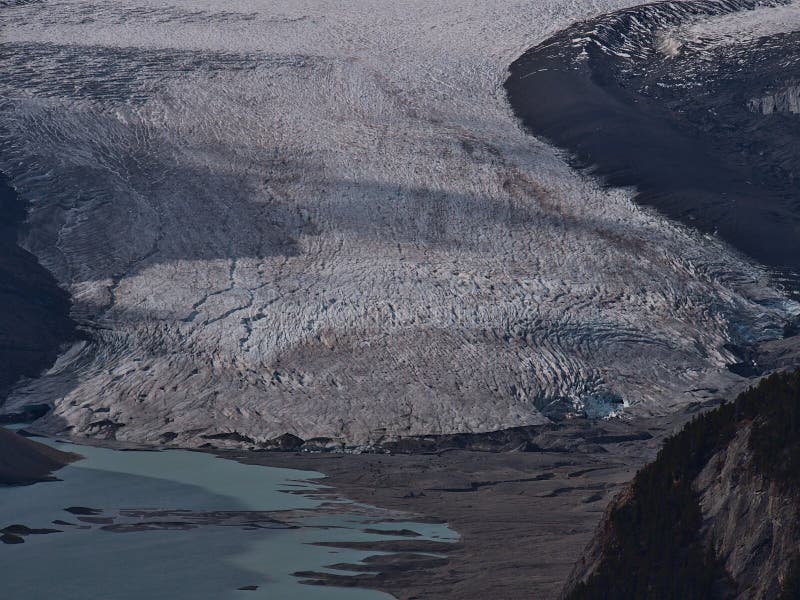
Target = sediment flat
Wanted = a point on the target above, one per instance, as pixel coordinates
(524, 517)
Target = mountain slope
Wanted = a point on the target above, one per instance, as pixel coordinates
(715, 515)
(34, 311)
(26, 461)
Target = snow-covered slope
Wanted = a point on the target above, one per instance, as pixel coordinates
(322, 218)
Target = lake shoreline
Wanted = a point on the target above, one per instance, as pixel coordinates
(253, 529)
(24, 461)
(523, 516)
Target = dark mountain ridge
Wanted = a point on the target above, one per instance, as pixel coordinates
(34, 321)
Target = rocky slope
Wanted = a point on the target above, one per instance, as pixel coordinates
(717, 515)
(26, 461)
(323, 219)
(692, 103)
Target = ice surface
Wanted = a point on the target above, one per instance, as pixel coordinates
(322, 218)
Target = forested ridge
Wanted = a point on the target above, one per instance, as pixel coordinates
(652, 542)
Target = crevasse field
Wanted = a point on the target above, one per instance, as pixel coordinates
(322, 218)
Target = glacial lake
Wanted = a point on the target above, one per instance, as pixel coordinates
(181, 525)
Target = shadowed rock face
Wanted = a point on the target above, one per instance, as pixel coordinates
(693, 103)
(25, 461)
(269, 223)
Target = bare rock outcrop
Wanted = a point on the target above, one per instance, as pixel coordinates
(750, 522)
(786, 100)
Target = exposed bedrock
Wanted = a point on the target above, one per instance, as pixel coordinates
(324, 220)
(751, 522)
(786, 100)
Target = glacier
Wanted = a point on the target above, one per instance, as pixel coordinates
(323, 218)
